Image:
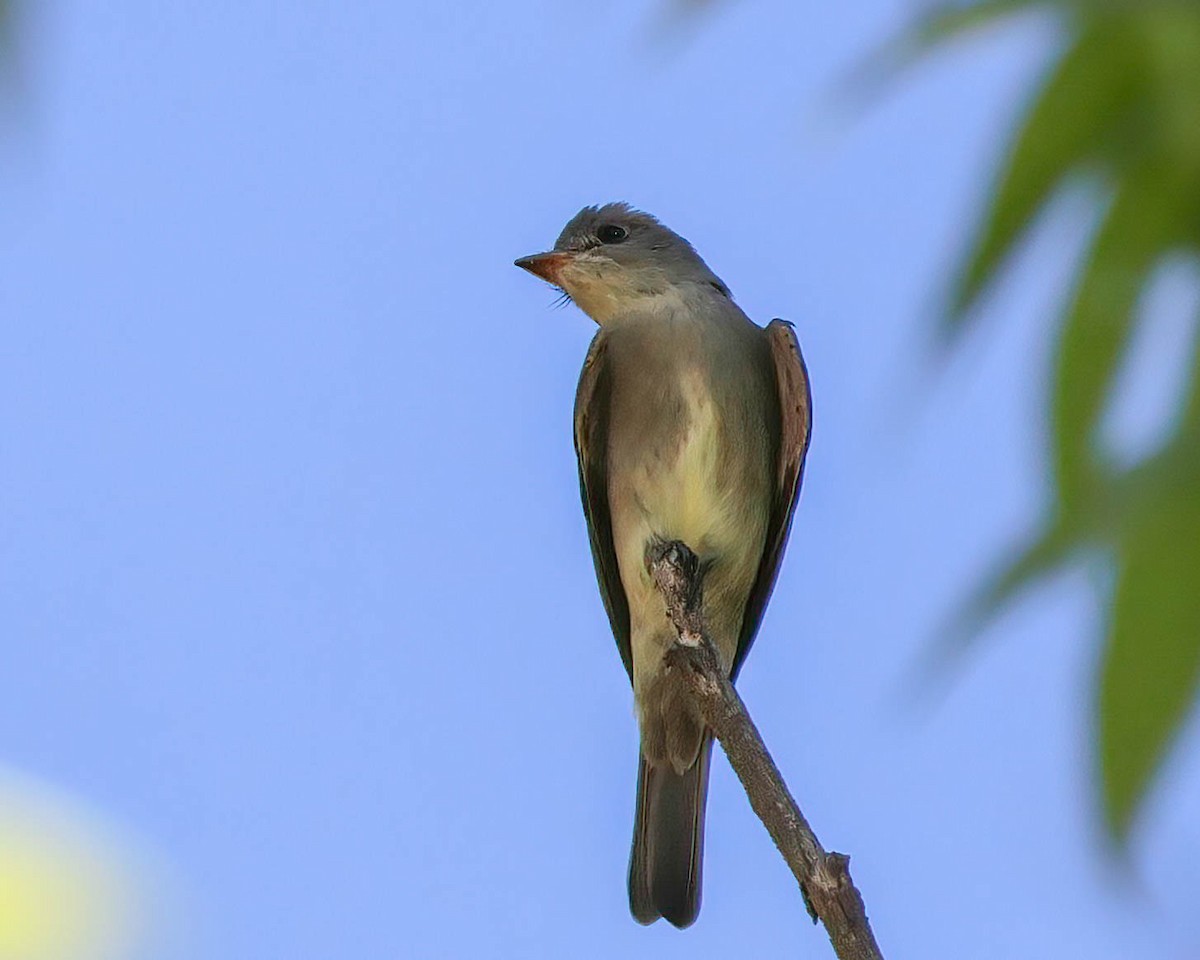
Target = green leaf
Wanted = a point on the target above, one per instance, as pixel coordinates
(1049, 549)
(945, 22)
(952, 19)
(1122, 104)
(1151, 667)
(1171, 37)
(1071, 123)
(1141, 227)
(1042, 555)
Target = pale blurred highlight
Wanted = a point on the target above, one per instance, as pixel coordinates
(70, 887)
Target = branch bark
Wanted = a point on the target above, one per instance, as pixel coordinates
(824, 878)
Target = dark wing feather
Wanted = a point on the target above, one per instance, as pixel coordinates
(795, 422)
(592, 406)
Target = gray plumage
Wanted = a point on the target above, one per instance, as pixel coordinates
(691, 424)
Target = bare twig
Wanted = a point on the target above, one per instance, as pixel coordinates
(824, 878)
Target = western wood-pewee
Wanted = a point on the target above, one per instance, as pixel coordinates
(691, 424)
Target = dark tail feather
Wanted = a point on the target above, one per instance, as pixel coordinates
(668, 841)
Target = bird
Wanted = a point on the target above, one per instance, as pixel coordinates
(691, 424)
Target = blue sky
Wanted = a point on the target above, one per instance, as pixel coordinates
(293, 575)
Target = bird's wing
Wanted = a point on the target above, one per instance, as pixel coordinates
(592, 406)
(795, 422)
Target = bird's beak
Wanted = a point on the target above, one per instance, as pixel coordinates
(545, 265)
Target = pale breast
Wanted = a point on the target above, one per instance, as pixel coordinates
(689, 459)
(689, 465)
(688, 489)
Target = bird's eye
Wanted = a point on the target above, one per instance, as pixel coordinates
(611, 233)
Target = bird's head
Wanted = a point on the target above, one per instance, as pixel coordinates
(612, 260)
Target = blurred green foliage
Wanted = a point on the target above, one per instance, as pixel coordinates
(1120, 108)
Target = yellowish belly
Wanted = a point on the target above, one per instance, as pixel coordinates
(698, 497)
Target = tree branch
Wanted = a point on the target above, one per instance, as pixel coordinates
(824, 878)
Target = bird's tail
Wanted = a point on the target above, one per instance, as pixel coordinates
(668, 841)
